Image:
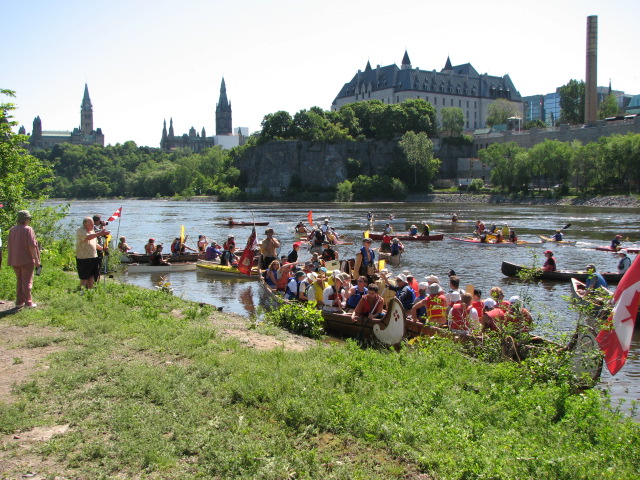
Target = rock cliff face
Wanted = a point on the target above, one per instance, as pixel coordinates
(273, 165)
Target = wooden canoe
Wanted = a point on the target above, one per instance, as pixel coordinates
(511, 270)
(148, 268)
(388, 258)
(225, 271)
(403, 238)
(476, 241)
(578, 291)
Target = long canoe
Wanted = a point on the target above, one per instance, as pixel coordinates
(404, 238)
(476, 241)
(552, 240)
(225, 271)
(578, 291)
(382, 221)
(511, 270)
(144, 258)
(613, 250)
(396, 327)
(173, 267)
(244, 224)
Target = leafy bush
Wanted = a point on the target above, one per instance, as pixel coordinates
(302, 318)
(367, 188)
(344, 192)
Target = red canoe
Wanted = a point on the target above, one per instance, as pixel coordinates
(245, 224)
(613, 250)
(404, 238)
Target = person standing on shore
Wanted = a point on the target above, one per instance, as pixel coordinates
(87, 252)
(24, 257)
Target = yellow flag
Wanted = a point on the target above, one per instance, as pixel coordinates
(366, 234)
(381, 263)
(181, 234)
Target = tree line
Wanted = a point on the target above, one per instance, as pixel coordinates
(610, 165)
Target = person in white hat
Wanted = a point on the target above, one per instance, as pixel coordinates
(333, 295)
(413, 230)
(436, 305)
(492, 316)
(365, 261)
(231, 240)
(516, 316)
(625, 261)
(403, 290)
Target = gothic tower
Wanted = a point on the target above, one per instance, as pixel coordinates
(223, 113)
(86, 113)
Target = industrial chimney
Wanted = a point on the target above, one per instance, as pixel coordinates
(591, 83)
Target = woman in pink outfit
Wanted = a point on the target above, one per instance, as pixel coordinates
(24, 257)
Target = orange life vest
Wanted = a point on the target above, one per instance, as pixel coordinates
(437, 309)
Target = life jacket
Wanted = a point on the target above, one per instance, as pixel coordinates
(281, 284)
(288, 294)
(408, 297)
(478, 305)
(413, 231)
(459, 317)
(519, 317)
(317, 290)
(227, 245)
(437, 309)
(395, 248)
(496, 317)
(336, 295)
(624, 264)
(175, 247)
(367, 306)
(318, 237)
(415, 286)
(328, 254)
(353, 300)
(367, 259)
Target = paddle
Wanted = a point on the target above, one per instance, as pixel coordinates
(381, 263)
(469, 289)
(366, 234)
(566, 226)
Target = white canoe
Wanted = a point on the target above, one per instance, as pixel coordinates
(174, 267)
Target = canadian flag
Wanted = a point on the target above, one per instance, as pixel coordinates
(115, 215)
(615, 337)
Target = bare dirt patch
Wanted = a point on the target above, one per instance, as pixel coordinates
(23, 352)
(239, 327)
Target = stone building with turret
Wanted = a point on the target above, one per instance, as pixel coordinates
(198, 141)
(83, 135)
(459, 86)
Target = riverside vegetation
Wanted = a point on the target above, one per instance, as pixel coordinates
(150, 387)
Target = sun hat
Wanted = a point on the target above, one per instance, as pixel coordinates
(432, 279)
(231, 236)
(489, 303)
(406, 272)
(434, 289)
(345, 277)
(515, 300)
(591, 265)
(23, 215)
(423, 286)
(384, 270)
(548, 251)
(367, 240)
(312, 276)
(413, 226)
(401, 277)
(395, 240)
(624, 250)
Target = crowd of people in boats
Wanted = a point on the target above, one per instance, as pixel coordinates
(364, 291)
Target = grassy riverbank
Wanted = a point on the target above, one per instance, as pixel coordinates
(128, 383)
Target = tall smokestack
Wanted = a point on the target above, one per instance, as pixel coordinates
(591, 84)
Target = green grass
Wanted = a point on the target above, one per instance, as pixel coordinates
(151, 394)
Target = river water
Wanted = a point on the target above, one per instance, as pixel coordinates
(477, 265)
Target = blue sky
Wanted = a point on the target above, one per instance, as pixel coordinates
(146, 61)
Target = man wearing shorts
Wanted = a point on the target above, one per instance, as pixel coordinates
(87, 260)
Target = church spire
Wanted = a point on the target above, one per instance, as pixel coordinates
(164, 130)
(368, 67)
(171, 127)
(86, 113)
(223, 112)
(447, 65)
(406, 63)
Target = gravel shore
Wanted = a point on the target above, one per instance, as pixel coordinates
(622, 201)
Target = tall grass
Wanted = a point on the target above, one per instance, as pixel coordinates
(151, 390)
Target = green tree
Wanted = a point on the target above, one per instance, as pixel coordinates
(277, 126)
(23, 178)
(608, 107)
(572, 102)
(452, 121)
(501, 157)
(537, 123)
(499, 111)
(419, 116)
(418, 150)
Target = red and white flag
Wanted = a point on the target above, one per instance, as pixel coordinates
(115, 215)
(615, 337)
(246, 260)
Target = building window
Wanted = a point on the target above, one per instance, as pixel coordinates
(467, 103)
(397, 99)
(452, 102)
(475, 104)
(459, 103)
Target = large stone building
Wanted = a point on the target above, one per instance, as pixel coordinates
(458, 86)
(84, 135)
(198, 141)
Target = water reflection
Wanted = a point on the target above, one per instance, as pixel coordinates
(475, 265)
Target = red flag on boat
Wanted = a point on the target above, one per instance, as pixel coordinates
(615, 337)
(246, 260)
(310, 217)
(115, 215)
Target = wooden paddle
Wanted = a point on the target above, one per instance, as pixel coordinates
(366, 234)
(381, 264)
(469, 289)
